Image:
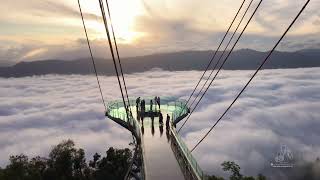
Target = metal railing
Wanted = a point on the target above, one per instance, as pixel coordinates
(180, 110)
(175, 107)
(186, 152)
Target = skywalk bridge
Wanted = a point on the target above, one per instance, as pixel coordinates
(152, 155)
(159, 152)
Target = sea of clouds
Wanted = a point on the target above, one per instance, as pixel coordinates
(280, 107)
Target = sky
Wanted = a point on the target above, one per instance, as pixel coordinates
(280, 107)
(52, 29)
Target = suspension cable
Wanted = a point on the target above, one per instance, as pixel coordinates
(93, 62)
(235, 31)
(222, 64)
(117, 51)
(259, 68)
(112, 54)
(214, 55)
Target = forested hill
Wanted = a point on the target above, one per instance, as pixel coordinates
(244, 59)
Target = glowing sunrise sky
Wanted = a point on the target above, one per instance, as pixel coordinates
(45, 29)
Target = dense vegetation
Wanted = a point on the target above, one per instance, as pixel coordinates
(234, 169)
(66, 162)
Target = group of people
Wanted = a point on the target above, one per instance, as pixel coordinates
(141, 104)
(141, 110)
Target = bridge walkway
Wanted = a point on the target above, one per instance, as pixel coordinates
(160, 162)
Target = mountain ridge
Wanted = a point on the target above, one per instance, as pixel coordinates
(243, 59)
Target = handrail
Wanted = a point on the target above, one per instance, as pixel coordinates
(116, 108)
(191, 160)
(180, 109)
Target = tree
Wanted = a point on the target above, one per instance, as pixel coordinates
(114, 165)
(61, 159)
(18, 168)
(37, 167)
(1, 173)
(96, 158)
(233, 168)
(66, 162)
(213, 177)
(79, 164)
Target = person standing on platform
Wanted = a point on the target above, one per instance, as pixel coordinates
(129, 111)
(160, 119)
(158, 102)
(155, 102)
(144, 105)
(141, 105)
(151, 104)
(137, 104)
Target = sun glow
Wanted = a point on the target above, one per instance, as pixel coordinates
(123, 15)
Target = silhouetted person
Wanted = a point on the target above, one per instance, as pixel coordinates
(143, 107)
(137, 103)
(155, 102)
(158, 102)
(168, 121)
(151, 104)
(128, 110)
(160, 119)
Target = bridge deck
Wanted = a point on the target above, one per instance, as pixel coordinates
(160, 162)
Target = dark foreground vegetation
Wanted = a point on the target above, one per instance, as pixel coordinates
(234, 169)
(66, 162)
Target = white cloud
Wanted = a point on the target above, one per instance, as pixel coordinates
(281, 106)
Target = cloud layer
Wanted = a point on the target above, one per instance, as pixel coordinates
(280, 107)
